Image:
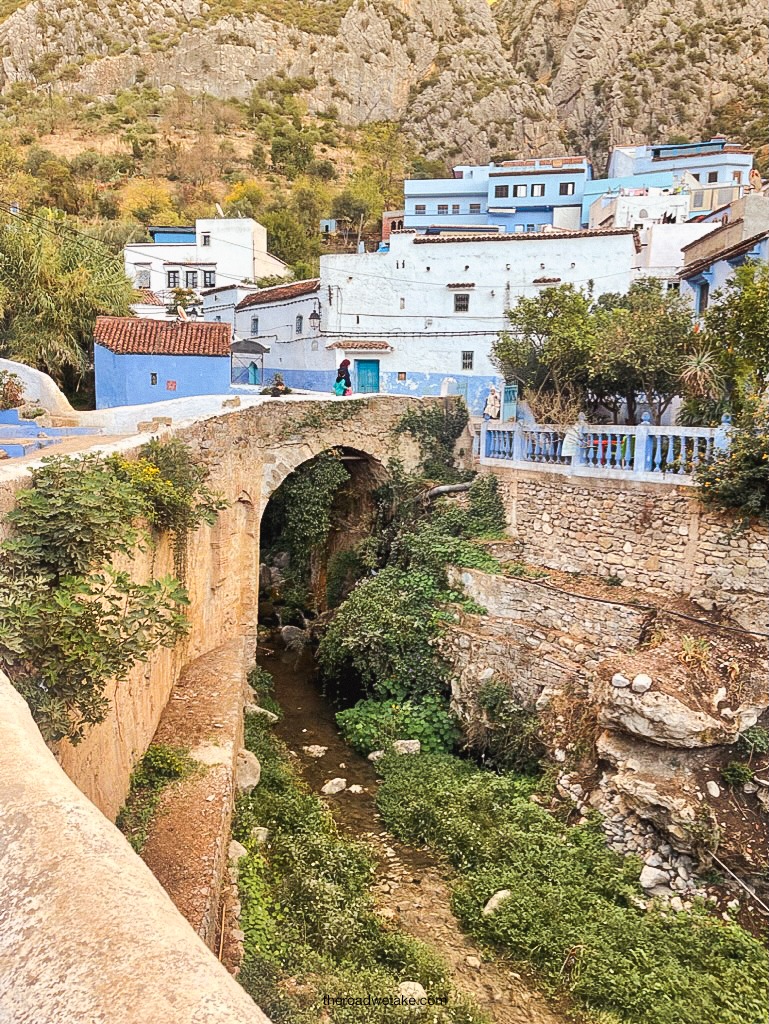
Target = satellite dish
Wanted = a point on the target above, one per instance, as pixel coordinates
(755, 180)
(182, 312)
(219, 210)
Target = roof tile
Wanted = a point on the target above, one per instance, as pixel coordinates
(133, 335)
(280, 293)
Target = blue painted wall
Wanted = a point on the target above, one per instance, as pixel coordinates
(415, 385)
(125, 379)
(162, 236)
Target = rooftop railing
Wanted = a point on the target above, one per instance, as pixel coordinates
(644, 452)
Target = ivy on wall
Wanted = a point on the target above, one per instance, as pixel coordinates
(69, 622)
(437, 430)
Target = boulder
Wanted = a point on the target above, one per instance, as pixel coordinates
(407, 746)
(334, 786)
(293, 637)
(411, 990)
(355, 789)
(662, 718)
(376, 755)
(248, 772)
(641, 683)
(260, 835)
(653, 877)
(496, 900)
(236, 851)
(713, 789)
(254, 709)
(619, 680)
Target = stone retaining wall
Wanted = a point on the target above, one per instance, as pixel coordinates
(650, 536)
(535, 637)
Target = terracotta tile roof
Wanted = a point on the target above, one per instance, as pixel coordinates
(361, 346)
(546, 280)
(146, 297)
(461, 284)
(132, 335)
(280, 293)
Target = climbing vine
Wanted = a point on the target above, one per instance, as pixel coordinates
(69, 622)
(437, 430)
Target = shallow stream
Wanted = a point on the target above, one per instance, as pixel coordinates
(412, 888)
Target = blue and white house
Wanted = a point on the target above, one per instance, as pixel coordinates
(139, 361)
(420, 317)
(211, 253)
(283, 321)
(710, 262)
(516, 196)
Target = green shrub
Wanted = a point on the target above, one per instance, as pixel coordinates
(737, 477)
(573, 910)
(344, 569)
(160, 766)
(437, 431)
(737, 773)
(384, 633)
(754, 741)
(373, 725)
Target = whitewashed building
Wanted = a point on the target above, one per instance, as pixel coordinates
(213, 252)
(283, 324)
(420, 317)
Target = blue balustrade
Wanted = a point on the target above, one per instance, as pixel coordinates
(665, 453)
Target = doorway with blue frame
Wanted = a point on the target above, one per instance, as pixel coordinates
(367, 376)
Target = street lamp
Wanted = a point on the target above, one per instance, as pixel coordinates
(314, 318)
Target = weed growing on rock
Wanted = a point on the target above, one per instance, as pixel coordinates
(159, 767)
(437, 430)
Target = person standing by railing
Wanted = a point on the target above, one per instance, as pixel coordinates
(573, 441)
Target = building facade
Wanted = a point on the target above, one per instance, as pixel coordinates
(518, 195)
(140, 361)
(710, 262)
(420, 317)
(215, 252)
(284, 321)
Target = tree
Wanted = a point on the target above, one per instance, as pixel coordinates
(53, 284)
(643, 338)
(247, 199)
(550, 350)
(737, 323)
(287, 238)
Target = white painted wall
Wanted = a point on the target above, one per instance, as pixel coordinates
(237, 251)
(661, 246)
(625, 211)
(219, 304)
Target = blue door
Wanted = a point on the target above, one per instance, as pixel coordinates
(509, 403)
(367, 375)
(253, 373)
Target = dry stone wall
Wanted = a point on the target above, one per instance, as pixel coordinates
(653, 537)
(535, 638)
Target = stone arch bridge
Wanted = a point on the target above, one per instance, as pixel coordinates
(87, 933)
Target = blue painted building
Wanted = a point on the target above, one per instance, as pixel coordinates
(140, 361)
(710, 262)
(517, 196)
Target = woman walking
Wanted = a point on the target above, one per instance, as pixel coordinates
(343, 384)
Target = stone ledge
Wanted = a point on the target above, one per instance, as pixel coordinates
(187, 845)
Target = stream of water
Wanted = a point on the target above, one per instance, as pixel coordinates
(411, 888)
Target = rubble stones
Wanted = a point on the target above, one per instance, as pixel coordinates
(248, 772)
(334, 786)
(641, 683)
(406, 746)
(496, 900)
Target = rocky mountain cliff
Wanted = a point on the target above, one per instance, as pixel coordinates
(467, 80)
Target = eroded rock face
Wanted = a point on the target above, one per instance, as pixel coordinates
(664, 719)
(663, 787)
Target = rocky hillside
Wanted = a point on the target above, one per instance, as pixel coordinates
(467, 80)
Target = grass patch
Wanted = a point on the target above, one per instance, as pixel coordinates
(159, 767)
(308, 917)
(573, 912)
